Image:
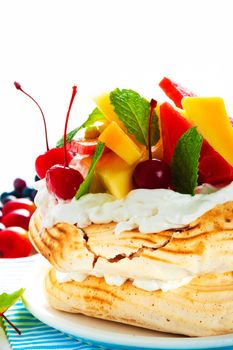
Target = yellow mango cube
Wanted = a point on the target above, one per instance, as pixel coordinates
(105, 106)
(115, 174)
(120, 143)
(210, 117)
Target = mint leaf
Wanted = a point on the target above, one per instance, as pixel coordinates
(134, 110)
(95, 116)
(6, 301)
(84, 187)
(185, 161)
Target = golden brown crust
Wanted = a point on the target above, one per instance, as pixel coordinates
(204, 246)
(201, 308)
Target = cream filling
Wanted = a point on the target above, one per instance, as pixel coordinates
(148, 285)
(149, 211)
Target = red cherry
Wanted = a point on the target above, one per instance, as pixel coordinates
(151, 174)
(18, 87)
(50, 158)
(21, 203)
(18, 217)
(14, 243)
(63, 182)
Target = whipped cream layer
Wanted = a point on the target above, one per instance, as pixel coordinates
(148, 285)
(149, 211)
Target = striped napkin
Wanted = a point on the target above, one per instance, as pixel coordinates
(35, 334)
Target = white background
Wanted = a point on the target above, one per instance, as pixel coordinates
(48, 46)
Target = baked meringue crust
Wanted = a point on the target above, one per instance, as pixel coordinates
(203, 307)
(203, 249)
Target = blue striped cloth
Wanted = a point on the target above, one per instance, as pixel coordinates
(37, 335)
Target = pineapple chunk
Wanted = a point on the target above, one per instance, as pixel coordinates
(115, 174)
(120, 143)
(210, 116)
(105, 106)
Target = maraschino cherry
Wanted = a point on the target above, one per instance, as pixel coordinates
(64, 181)
(51, 156)
(152, 173)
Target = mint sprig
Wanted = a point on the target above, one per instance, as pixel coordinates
(185, 161)
(95, 116)
(85, 185)
(134, 110)
(6, 301)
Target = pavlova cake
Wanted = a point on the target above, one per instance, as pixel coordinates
(135, 213)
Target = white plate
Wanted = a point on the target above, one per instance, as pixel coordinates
(105, 333)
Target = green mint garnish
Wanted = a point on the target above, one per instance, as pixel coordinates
(6, 301)
(95, 116)
(84, 187)
(185, 161)
(134, 110)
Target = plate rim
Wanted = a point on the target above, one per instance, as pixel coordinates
(40, 265)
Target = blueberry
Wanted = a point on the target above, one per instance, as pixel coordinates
(16, 194)
(3, 195)
(7, 198)
(36, 178)
(19, 184)
(29, 192)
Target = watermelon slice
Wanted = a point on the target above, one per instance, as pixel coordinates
(213, 168)
(174, 91)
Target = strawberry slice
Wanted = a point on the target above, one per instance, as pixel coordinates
(174, 91)
(82, 147)
(213, 168)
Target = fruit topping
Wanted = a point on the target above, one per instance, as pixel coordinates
(152, 173)
(51, 156)
(104, 105)
(120, 143)
(64, 181)
(172, 127)
(115, 174)
(174, 91)
(213, 168)
(82, 147)
(210, 116)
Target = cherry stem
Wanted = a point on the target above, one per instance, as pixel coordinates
(66, 124)
(153, 105)
(11, 324)
(18, 87)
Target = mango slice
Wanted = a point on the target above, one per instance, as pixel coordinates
(210, 116)
(105, 106)
(120, 143)
(115, 174)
